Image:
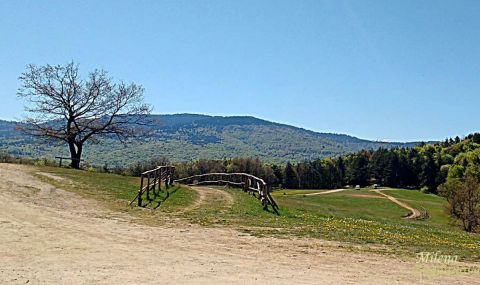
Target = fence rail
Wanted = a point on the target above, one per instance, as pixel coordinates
(249, 183)
(152, 180)
(62, 158)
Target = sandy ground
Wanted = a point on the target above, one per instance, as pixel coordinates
(49, 236)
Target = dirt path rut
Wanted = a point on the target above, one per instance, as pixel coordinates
(210, 195)
(414, 213)
(324, 192)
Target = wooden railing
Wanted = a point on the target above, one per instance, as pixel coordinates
(249, 183)
(152, 180)
(61, 158)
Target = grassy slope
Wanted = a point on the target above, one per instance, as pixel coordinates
(340, 216)
(116, 191)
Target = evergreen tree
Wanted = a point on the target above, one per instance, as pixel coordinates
(277, 171)
(291, 179)
(476, 138)
(341, 170)
(390, 173)
(357, 170)
(429, 172)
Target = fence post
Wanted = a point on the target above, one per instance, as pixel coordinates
(167, 177)
(140, 192)
(159, 179)
(148, 186)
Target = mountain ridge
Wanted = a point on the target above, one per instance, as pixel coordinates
(183, 137)
(205, 116)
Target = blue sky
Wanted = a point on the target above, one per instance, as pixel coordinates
(385, 70)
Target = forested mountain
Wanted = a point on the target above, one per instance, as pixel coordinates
(185, 137)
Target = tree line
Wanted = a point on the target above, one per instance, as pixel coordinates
(425, 167)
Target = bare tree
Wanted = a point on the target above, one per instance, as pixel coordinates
(64, 108)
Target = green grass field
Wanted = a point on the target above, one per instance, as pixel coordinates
(357, 217)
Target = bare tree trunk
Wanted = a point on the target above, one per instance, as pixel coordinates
(75, 154)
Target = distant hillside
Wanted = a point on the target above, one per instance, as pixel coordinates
(184, 137)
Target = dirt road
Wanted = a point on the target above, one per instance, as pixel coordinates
(49, 236)
(414, 213)
(323, 192)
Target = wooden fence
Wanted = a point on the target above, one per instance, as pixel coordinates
(152, 180)
(62, 158)
(249, 183)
